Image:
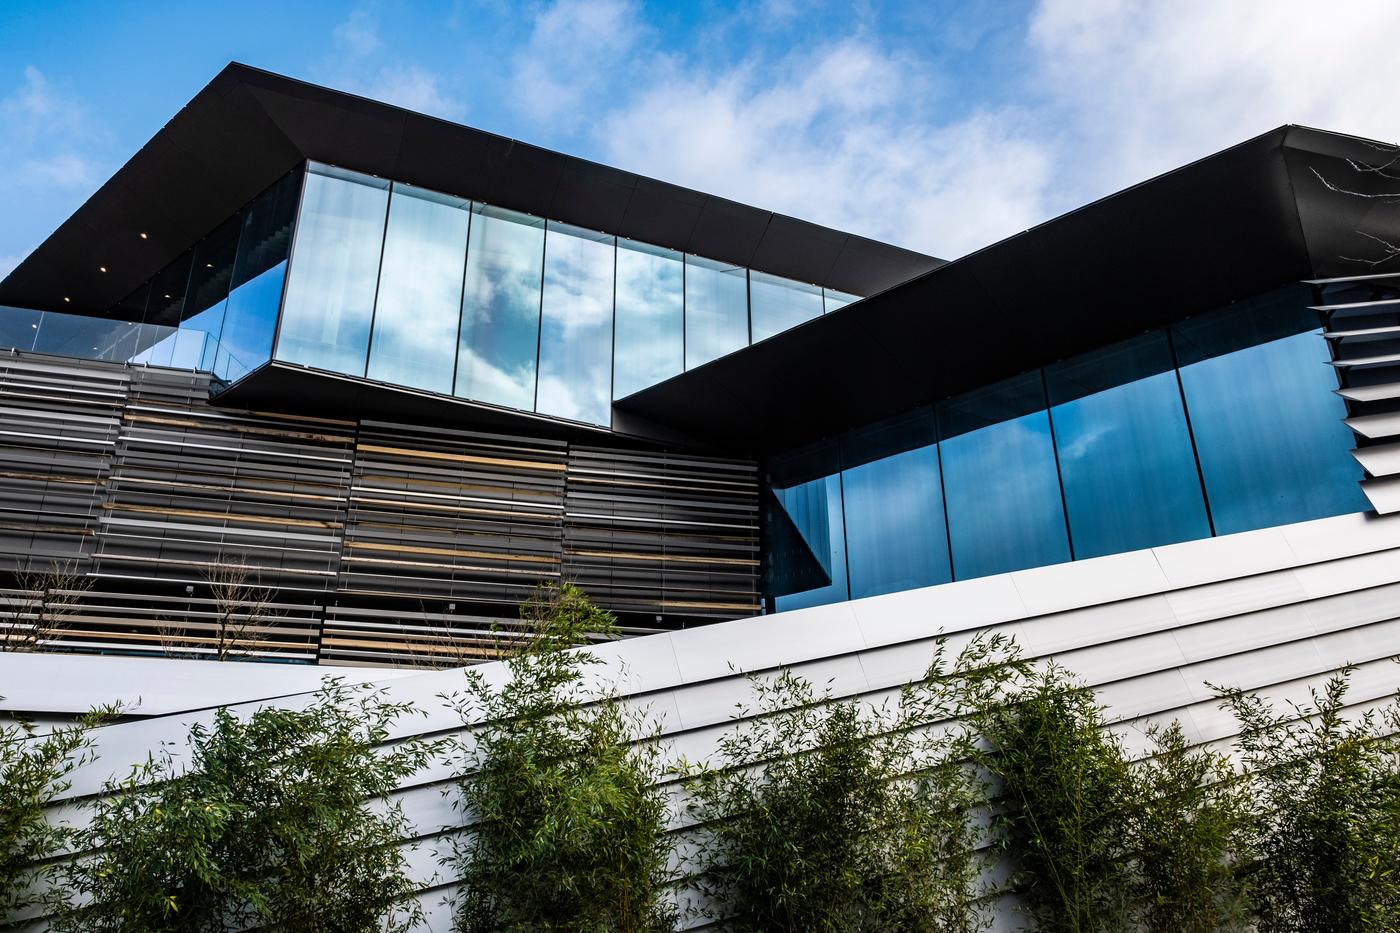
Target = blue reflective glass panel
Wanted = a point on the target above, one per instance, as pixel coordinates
(777, 304)
(202, 314)
(500, 337)
(815, 509)
(716, 310)
(576, 325)
(895, 534)
(1000, 481)
(650, 321)
(335, 266)
(420, 290)
(255, 294)
(1129, 475)
(19, 327)
(1269, 432)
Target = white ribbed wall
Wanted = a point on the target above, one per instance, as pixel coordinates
(1270, 611)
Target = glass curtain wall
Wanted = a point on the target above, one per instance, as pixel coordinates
(500, 337)
(1230, 416)
(576, 325)
(777, 304)
(1129, 477)
(649, 317)
(415, 288)
(414, 338)
(716, 310)
(330, 298)
(1268, 424)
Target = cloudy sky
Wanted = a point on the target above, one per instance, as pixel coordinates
(940, 126)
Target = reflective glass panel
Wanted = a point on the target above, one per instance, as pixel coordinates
(777, 304)
(831, 300)
(19, 327)
(250, 320)
(1268, 425)
(815, 509)
(335, 265)
(650, 319)
(716, 310)
(1129, 475)
(896, 538)
(1000, 481)
(500, 333)
(203, 311)
(576, 325)
(420, 290)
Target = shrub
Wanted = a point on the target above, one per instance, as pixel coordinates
(570, 822)
(839, 816)
(1066, 821)
(1326, 813)
(1188, 837)
(34, 770)
(270, 825)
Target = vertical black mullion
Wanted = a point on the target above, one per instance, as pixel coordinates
(685, 362)
(539, 318)
(943, 487)
(1055, 448)
(378, 279)
(845, 539)
(1190, 429)
(291, 252)
(612, 359)
(462, 297)
(748, 303)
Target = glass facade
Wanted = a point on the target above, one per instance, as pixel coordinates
(716, 310)
(329, 307)
(386, 280)
(777, 304)
(576, 325)
(414, 338)
(499, 345)
(650, 317)
(1226, 422)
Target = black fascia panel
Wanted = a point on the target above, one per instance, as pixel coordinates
(728, 231)
(865, 267)
(248, 127)
(433, 155)
(1346, 234)
(592, 196)
(790, 246)
(661, 213)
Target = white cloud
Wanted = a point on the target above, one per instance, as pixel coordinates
(828, 136)
(415, 89)
(359, 34)
(1145, 87)
(573, 46)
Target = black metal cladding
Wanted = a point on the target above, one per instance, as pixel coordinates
(384, 542)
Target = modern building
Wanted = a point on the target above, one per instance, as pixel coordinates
(396, 371)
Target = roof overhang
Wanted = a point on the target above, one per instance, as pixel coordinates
(1240, 222)
(248, 127)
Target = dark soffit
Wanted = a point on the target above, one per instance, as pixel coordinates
(1245, 220)
(247, 127)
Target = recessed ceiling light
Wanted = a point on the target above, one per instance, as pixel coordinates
(143, 236)
(101, 268)
(66, 299)
(35, 326)
(167, 296)
(208, 265)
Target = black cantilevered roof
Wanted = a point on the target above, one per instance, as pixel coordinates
(1237, 223)
(248, 127)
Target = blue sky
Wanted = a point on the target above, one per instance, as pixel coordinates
(940, 126)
